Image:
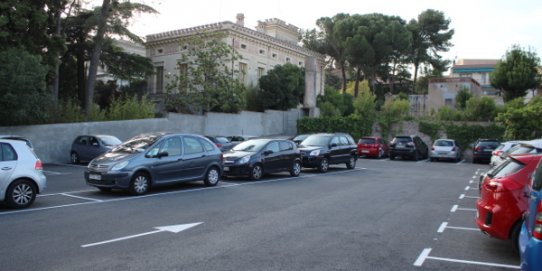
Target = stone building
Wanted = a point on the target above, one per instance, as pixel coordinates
(272, 43)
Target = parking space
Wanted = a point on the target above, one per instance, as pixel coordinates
(458, 244)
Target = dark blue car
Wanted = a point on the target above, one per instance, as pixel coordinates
(530, 239)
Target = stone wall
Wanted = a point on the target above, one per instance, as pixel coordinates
(52, 142)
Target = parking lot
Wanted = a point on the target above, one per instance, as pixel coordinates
(383, 215)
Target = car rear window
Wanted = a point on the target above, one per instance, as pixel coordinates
(511, 166)
(537, 177)
(521, 149)
(444, 143)
(491, 144)
(403, 140)
(367, 141)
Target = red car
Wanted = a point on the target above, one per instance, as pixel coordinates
(503, 201)
(372, 146)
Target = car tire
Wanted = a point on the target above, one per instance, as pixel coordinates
(21, 194)
(140, 184)
(514, 236)
(256, 172)
(351, 164)
(74, 158)
(212, 177)
(323, 166)
(296, 169)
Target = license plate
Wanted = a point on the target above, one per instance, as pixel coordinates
(226, 168)
(365, 151)
(95, 177)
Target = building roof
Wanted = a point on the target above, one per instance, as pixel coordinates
(474, 65)
(228, 26)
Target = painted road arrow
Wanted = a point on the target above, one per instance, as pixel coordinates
(172, 228)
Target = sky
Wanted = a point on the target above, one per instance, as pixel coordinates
(484, 29)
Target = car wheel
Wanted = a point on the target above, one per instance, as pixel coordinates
(324, 165)
(256, 172)
(74, 158)
(351, 163)
(21, 194)
(296, 169)
(514, 236)
(140, 184)
(212, 177)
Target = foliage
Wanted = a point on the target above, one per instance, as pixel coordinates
(516, 73)
(283, 87)
(480, 109)
(465, 134)
(253, 99)
(431, 129)
(522, 121)
(23, 95)
(204, 82)
(463, 95)
(130, 108)
(430, 35)
(392, 112)
(365, 105)
(333, 103)
(353, 125)
(446, 113)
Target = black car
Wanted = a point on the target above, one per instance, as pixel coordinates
(482, 149)
(408, 146)
(321, 150)
(256, 157)
(155, 159)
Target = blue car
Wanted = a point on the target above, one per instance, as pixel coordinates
(530, 239)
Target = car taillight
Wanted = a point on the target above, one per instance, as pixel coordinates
(477, 148)
(537, 229)
(494, 186)
(38, 165)
(410, 144)
(219, 145)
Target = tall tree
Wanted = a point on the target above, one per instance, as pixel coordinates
(283, 87)
(430, 36)
(330, 41)
(516, 73)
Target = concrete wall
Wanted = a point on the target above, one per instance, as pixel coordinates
(52, 142)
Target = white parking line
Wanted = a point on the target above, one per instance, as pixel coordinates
(175, 192)
(442, 227)
(471, 197)
(467, 188)
(462, 228)
(461, 196)
(424, 255)
(56, 194)
(454, 208)
(78, 197)
(467, 209)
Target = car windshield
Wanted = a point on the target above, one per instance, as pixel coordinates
(109, 140)
(222, 139)
(511, 166)
(300, 137)
(139, 144)
(252, 145)
(367, 141)
(316, 140)
(444, 143)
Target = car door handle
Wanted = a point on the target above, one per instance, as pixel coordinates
(6, 168)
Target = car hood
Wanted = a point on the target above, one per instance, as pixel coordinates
(311, 148)
(234, 155)
(110, 157)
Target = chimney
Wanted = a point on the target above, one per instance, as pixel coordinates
(241, 19)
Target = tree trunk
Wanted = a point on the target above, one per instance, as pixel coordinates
(415, 77)
(356, 85)
(392, 77)
(94, 61)
(81, 78)
(55, 84)
(343, 72)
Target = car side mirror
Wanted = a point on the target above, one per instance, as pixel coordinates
(162, 154)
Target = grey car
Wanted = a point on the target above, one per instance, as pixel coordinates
(156, 159)
(21, 174)
(88, 147)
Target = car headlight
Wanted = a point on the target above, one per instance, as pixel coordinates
(120, 165)
(244, 160)
(314, 153)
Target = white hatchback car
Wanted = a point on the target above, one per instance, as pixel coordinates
(21, 174)
(445, 149)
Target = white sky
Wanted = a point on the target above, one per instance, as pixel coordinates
(484, 29)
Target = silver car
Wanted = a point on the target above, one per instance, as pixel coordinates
(21, 174)
(156, 159)
(445, 149)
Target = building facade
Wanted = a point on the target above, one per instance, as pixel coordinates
(477, 69)
(442, 91)
(272, 43)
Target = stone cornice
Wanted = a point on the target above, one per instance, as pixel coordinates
(170, 36)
